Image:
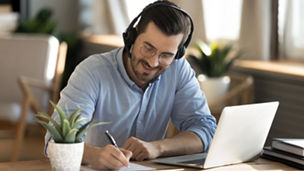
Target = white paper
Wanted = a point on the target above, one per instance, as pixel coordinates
(133, 166)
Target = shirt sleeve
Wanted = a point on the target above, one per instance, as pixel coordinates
(190, 109)
(79, 91)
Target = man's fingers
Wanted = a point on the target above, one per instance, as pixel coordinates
(119, 155)
(128, 154)
(116, 158)
(136, 151)
(141, 156)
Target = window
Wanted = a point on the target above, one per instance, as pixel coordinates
(291, 29)
(222, 19)
(134, 7)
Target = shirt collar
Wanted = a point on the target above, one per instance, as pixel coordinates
(121, 67)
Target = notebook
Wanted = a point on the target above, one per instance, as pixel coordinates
(240, 136)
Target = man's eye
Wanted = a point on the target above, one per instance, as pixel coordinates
(147, 48)
(166, 56)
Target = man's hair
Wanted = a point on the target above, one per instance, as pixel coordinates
(169, 20)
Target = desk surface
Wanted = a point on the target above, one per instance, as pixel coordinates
(260, 164)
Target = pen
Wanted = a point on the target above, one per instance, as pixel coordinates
(111, 138)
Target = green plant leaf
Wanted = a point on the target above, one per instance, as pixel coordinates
(67, 131)
(216, 63)
(60, 112)
(99, 123)
(86, 127)
(46, 116)
(65, 127)
(75, 114)
(78, 122)
(55, 134)
(66, 108)
(82, 130)
(71, 136)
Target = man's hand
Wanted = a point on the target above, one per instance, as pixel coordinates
(107, 157)
(183, 143)
(142, 150)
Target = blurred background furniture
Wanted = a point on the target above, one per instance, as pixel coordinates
(241, 91)
(35, 61)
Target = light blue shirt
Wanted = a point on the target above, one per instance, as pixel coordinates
(101, 81)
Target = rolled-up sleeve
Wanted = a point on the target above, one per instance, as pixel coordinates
(190, 110)
(80, 91)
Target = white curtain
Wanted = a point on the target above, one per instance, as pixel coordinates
(104, 16)
(195, 9)
(255, 35)
(291, 29)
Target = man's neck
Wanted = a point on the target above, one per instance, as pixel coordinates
(127, 65)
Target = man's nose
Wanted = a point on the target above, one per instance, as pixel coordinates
(153, 61)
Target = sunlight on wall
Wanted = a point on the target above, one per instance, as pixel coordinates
(297, 21)
(134, 7)
(291, 26)
(52, 58)
(222, 19)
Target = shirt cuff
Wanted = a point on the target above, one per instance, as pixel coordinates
(204, 135)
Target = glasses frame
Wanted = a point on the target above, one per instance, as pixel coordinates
(148, 51)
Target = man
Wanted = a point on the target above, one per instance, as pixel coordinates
(138, 88)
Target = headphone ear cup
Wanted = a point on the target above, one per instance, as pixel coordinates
(129, 37)
(180, 53)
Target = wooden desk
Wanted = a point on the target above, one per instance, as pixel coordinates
(260, 164)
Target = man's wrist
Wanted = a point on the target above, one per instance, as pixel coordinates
(160, 147)
(87, 153)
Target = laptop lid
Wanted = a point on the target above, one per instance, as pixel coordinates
(240, 136)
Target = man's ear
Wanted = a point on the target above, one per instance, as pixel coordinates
(136, 28)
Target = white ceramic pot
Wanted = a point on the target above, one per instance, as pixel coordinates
(65, 157)
(214, 88)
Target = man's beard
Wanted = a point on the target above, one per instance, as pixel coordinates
(141, 61)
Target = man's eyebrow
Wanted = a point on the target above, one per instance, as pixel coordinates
(150, 45)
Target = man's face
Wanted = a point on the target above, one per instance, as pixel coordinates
(152, 53)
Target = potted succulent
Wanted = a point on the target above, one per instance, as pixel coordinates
(213, 62)
(66, 150)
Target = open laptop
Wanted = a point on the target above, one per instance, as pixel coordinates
(240, 136)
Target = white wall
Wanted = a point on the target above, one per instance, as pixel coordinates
(65, 12)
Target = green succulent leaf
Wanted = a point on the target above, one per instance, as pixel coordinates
(86, 127)
(55, 134)
(213, 60)
(67, 131)
(75, 114)
(46, 116)
(78, 122)
(60, 112)
(71, 136)
(82, 131)
(65, 127)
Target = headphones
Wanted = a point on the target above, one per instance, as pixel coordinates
(130, 35)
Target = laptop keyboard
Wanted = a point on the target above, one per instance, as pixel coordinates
(196, 162)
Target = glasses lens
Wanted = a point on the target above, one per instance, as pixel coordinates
(165, 59)
(147, 51)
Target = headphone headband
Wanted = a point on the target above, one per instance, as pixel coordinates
(129, 36)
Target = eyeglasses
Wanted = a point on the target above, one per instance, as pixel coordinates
(163, 58)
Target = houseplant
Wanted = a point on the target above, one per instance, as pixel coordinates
(66, 149)
(213, 62)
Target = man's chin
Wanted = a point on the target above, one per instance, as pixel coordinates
(150, 80)
(146, 80)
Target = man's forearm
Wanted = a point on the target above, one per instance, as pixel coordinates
(183, 143)
(88, 150)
